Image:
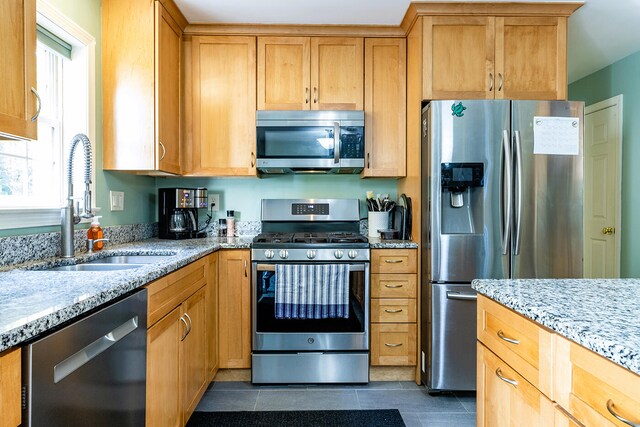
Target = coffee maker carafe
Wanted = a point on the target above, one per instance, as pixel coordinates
(178, 212)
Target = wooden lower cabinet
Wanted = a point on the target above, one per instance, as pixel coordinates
(10, 388)
(194, 353)
(234, 314)
(393, 344)
(211, 311)
(505, 398)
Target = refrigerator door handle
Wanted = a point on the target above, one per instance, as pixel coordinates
(516, 249)
(506, 181)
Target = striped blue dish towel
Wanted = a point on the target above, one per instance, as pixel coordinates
(306, 291)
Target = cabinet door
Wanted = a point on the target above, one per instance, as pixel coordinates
(458, 60)
(224, 106)
(531, 58)
(211, 310)
(336, 73)
(234, 304)
(18, 65)
(283, 73)
(10, 388)
(163, 371)
(507, 399)
(385, 108)
(194, 352)
(167, 44)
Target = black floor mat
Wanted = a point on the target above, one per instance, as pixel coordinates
(378, 417)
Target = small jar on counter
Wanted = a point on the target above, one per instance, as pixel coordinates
(222, 227)
(231, 224)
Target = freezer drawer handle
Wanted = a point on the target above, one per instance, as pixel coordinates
(461, 296)
(610, 406)
(507, 339)
(505, 379)
(399, 310)
(393, 286)
(392, 261)
(392, 345)
(84, 356)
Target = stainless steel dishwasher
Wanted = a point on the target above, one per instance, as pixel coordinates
(91, 372)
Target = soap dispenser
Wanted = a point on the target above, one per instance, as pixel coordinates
(95, 233)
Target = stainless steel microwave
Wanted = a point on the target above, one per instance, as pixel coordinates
(310, 141)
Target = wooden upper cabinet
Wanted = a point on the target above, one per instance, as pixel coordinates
(458, 61)
(385, 107)
(223, 118)
(531, 58)
(18, 98)
(310, 73)
(141, 63)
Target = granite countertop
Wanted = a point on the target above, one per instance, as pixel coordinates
(599, 314)
(377, 243)
(33, 301)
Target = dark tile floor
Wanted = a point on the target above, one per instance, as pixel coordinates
(413, 402)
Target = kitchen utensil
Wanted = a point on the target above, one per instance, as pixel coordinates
(389, 234)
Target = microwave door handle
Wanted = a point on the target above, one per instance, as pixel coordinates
(336, 142)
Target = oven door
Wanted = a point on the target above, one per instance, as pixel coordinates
(343, 334)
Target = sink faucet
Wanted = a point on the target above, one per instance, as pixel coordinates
(90, 243)
(68, 216)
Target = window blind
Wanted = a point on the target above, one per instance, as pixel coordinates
(54, 42)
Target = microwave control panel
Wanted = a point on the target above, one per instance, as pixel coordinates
(351, 142)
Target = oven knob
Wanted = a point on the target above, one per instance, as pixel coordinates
(268, 254)
(284, 254)
(338, 254)
(353, 254)
(311, 254)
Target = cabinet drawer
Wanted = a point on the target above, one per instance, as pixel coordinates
(393, 344)
(388, 310)
(393, 285)
(521, 343)
(171, 290)
(587, 383)
(394, 261)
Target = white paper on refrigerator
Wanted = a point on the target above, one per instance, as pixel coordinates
(556, 135)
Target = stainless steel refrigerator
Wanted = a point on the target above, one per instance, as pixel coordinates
(502, 198)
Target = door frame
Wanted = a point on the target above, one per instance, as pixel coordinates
(615, 101)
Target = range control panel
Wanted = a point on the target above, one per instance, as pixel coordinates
(310, 209)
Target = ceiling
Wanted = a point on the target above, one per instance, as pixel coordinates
(600, 32)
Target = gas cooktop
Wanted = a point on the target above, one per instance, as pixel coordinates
(310, 238)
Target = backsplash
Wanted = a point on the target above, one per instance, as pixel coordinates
(31, 247)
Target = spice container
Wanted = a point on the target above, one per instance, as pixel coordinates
(231, 224)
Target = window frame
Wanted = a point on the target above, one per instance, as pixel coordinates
(84, 46)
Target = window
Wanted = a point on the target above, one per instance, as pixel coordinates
(33, 174)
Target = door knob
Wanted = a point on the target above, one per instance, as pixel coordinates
(608, 230)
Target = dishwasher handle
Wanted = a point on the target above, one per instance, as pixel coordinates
(102, 344)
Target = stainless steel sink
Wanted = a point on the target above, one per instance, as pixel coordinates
(131, 259)
(94, 267)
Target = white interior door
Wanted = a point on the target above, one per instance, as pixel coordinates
(602, 183)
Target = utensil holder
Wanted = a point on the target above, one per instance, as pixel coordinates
(377, 221)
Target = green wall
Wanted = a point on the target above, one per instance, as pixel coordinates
(622, 77)
(244, 194)
(139, 190)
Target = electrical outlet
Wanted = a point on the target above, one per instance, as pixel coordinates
(214, 202)
(117, 200)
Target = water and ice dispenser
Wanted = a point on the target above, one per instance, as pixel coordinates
(462, 199)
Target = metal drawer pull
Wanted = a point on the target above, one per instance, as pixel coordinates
(392, 261)
(392, 345)
(399, 310)
(393, 286)
(610, 406)
(503, 337)
(506, 380)
(186, 328)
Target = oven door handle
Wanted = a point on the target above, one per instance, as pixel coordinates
(272, 267)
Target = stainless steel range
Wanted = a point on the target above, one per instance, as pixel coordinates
(310, 293)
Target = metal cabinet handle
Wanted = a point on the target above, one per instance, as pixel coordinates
(245, 268)
(186, 328)
(190, 323)
(490, 82)
(500, 84)
(315, 95)
(506, 380)
(368, 161)
(392, 261)
(610, 406)
(164, 150)
(253, 159)
(37, 114)
(393, 286)
(399, 310)
(306, 95)
(392, 345)
(507, 339)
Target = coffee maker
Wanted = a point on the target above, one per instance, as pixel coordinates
(178, 212)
